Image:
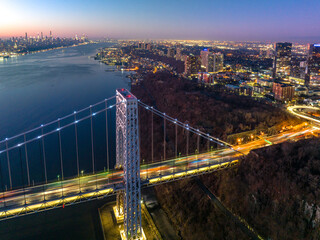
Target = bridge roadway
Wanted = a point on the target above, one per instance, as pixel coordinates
(57, 194)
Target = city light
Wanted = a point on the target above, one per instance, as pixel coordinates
(120, 75)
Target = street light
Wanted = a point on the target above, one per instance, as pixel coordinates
(82, 173)
(58, 176)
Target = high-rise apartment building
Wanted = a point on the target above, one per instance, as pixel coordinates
(192, 65)
(212, 62)
(147, 46)
(313, 65)
(282, 59)
(171, 52)
(178, 54)
(283, 92)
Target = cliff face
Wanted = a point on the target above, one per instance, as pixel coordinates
(274, 189)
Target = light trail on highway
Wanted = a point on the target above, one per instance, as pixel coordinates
(61, 193)
(293, 110)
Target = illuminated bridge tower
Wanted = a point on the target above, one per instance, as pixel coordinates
(128, 157)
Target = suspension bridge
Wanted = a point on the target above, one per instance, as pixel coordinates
(42, 168)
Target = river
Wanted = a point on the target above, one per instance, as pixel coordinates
(41, 87)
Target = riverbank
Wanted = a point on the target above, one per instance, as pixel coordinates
(10, 55)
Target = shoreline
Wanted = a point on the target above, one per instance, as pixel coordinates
(42, 50)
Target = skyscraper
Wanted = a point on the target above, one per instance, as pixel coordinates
(212, 62)
(313, 65)
(204, 58)
(148, 46)
(171, 52)
(192, 65)
(26, 36)
(178, 54)
(282, 59)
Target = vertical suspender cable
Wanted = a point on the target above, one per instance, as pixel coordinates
(187, 143)
(60, 151)
(152, 136)
(92, 146)
(27, 161)
(2, 186)
(44, 157)
(61, 159)
(176, 147)
(107, 136)
(76, 138)
(22, 178)
(164, 139)
(198, 144)
(9, 168)
(41, 155)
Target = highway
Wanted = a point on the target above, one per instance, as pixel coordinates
(295, 111)
(42, 197)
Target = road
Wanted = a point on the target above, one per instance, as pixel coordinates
(82, 188)
(295, 111)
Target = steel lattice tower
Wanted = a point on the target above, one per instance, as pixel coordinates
(128, 157)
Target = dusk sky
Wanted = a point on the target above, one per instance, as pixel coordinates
(272, 20)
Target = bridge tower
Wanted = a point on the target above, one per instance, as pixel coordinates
(128, 158)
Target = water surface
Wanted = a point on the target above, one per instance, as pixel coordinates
(41, 87)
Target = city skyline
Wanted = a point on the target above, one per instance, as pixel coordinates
(231, 21)
(140, 120)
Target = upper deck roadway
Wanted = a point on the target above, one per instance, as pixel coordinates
(42, 197)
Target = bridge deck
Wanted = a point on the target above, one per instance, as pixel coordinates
(57, 194)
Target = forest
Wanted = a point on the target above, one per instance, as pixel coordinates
(211, 110)
(275, 189)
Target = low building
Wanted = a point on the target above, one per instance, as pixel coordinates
(295, 80)
(233, 88)
(265, 82)
(206, 78)
(258, 88)
(301, 91)
(283, 92)
(246, 90)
